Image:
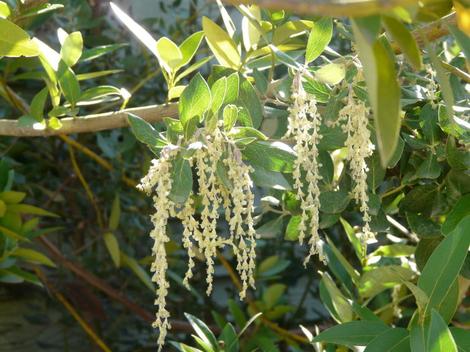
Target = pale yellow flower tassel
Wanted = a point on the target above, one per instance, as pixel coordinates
(159, 179)
(359, 148)
(304, 126)
(243, 240)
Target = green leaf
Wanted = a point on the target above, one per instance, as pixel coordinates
(141, 274)
(270, 179)
(392, 340)
(336, 303)
(382, 84)
(12, 197)
(189, 47)
(440, 339)
(320, 36)
(331, 73)
(204, 333)
(112, 245)
(218, 92)
(15, 42)
(192, 68)
(169, 54)
(230, 116)
(292, 229)
(353, 333)
(462, 338)
(405, 40)
(72, 48)
(195, 99)
(250, 101)
(354, 239)
(393, 250)
(230, 338)
(374, 281)
(221, 45)
(460, 210)
(32, 256)
(115, 213)
(340, 260)
(334, 202)
(136, 29)
(38, 103)
(30, 210)
(273, 156)
(68, 83)
(96, 52)
(144, 131)
(98, 92)
(443, 267)
(429, 168)
(182, 180)
(272, 295)
(5, 10)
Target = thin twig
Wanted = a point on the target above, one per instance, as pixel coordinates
(83, 324)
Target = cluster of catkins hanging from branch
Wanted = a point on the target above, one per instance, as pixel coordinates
(200, 232)
(304, 127)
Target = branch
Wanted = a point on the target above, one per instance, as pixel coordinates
(91, 123)
(336, 8)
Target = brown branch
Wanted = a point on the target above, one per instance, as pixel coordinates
(91, 123)
(335, 8)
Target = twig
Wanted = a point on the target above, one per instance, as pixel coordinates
(332, 8)
(104, 287)
(84, 325)
(91, 123)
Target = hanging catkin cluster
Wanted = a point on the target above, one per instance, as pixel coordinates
(359, 147)
(304, 126)
(200, 235)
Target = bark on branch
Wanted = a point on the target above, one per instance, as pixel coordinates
(335, 8)
(91, 123)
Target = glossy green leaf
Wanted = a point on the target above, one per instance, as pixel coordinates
(374, 281)
(30, 210)
(182, 180)
(144, 131)
(273, 156)
(68, 83)
(459, 211)
(353, 333)
(195, 100)
(169, 54)
(336, 303)
(221, 45)
(443, 267)
(403, 37)
(250, 101)
(320, 36)
(439, 338)
(331, 73)
(382, 84)
(202, 331)
(15, 42)
(189, 47)
(392, 340)
(230, 116)
(72, 48)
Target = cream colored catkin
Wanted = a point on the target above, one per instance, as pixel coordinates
(359, 147)
(304, 127)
